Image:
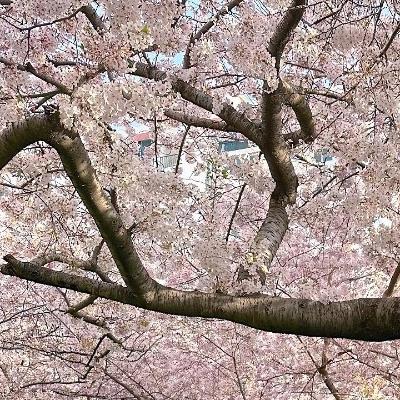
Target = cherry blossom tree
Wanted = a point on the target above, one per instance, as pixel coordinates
(123, 280)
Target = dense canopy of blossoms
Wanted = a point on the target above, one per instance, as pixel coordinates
(199, 199)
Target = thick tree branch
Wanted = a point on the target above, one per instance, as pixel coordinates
(79, 169)
(285, 27)
(276, 152)
(225, 111)
(20, 135)
(47, 276)
(199, 122)
(270, 235)
(302, 110)
(393, 282)
(96, 21)
(77, 165)
(372, 319)
(274, 148)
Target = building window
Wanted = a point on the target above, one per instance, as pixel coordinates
(233, 145)
(167, 162)
(322, 156)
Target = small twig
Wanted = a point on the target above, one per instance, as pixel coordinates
(235, 211)
(390, 41)
(393, 281)
(155, 139)
(95, 349)
(181, 148)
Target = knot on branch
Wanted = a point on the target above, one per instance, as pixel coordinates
(282, 198)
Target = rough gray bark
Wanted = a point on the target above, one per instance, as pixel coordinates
(271, 233)
(285, 27)
(274, 147)
(373, 319)
(302, 110)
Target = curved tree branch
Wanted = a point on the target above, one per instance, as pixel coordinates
(77, 165)
(79, 169)
(225, 111)
(270, 235)
(96, 21)
(199, 122)
(302, 109)
(285, 27)
(275, 150)
(371, 319)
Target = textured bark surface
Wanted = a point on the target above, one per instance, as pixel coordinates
(285, 27)
(302, 110)
(373, 319)
(271, 233)
(19, 135)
